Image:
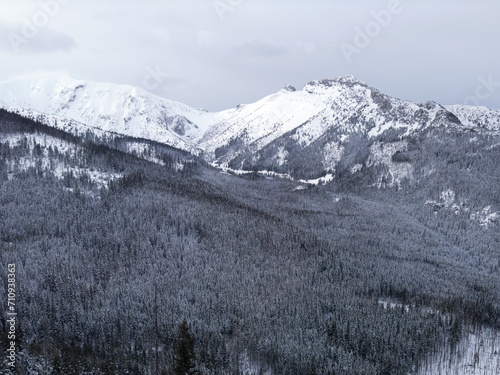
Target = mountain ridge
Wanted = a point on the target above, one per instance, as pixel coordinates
(321, 117)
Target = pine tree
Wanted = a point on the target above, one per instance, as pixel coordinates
(184, 357)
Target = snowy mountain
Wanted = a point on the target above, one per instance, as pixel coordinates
(344, 104)
(322, 116)
(113, 108)
(304, 132)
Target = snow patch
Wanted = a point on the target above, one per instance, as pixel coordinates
(281, 156)
(319, 181)
(478, 353)
(448, 197)
(486, 217)
(382, 153)
(46, 162)
(356, 168)
(316, 181)
(333, 153)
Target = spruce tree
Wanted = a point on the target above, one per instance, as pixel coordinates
(184, 357)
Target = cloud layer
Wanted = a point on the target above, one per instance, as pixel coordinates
(220, 53)
(27, 38)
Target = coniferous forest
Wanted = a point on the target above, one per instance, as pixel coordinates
(154, 262)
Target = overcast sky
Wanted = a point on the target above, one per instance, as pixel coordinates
(215, 54)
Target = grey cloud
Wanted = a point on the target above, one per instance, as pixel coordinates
(14, 38)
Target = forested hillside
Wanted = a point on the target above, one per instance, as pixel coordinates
(129, 256)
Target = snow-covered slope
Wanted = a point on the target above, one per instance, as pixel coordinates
(109, 107)
(345, 105)
(264, 120)
(482, 117)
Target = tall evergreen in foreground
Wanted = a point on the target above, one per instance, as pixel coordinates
(184, 356)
